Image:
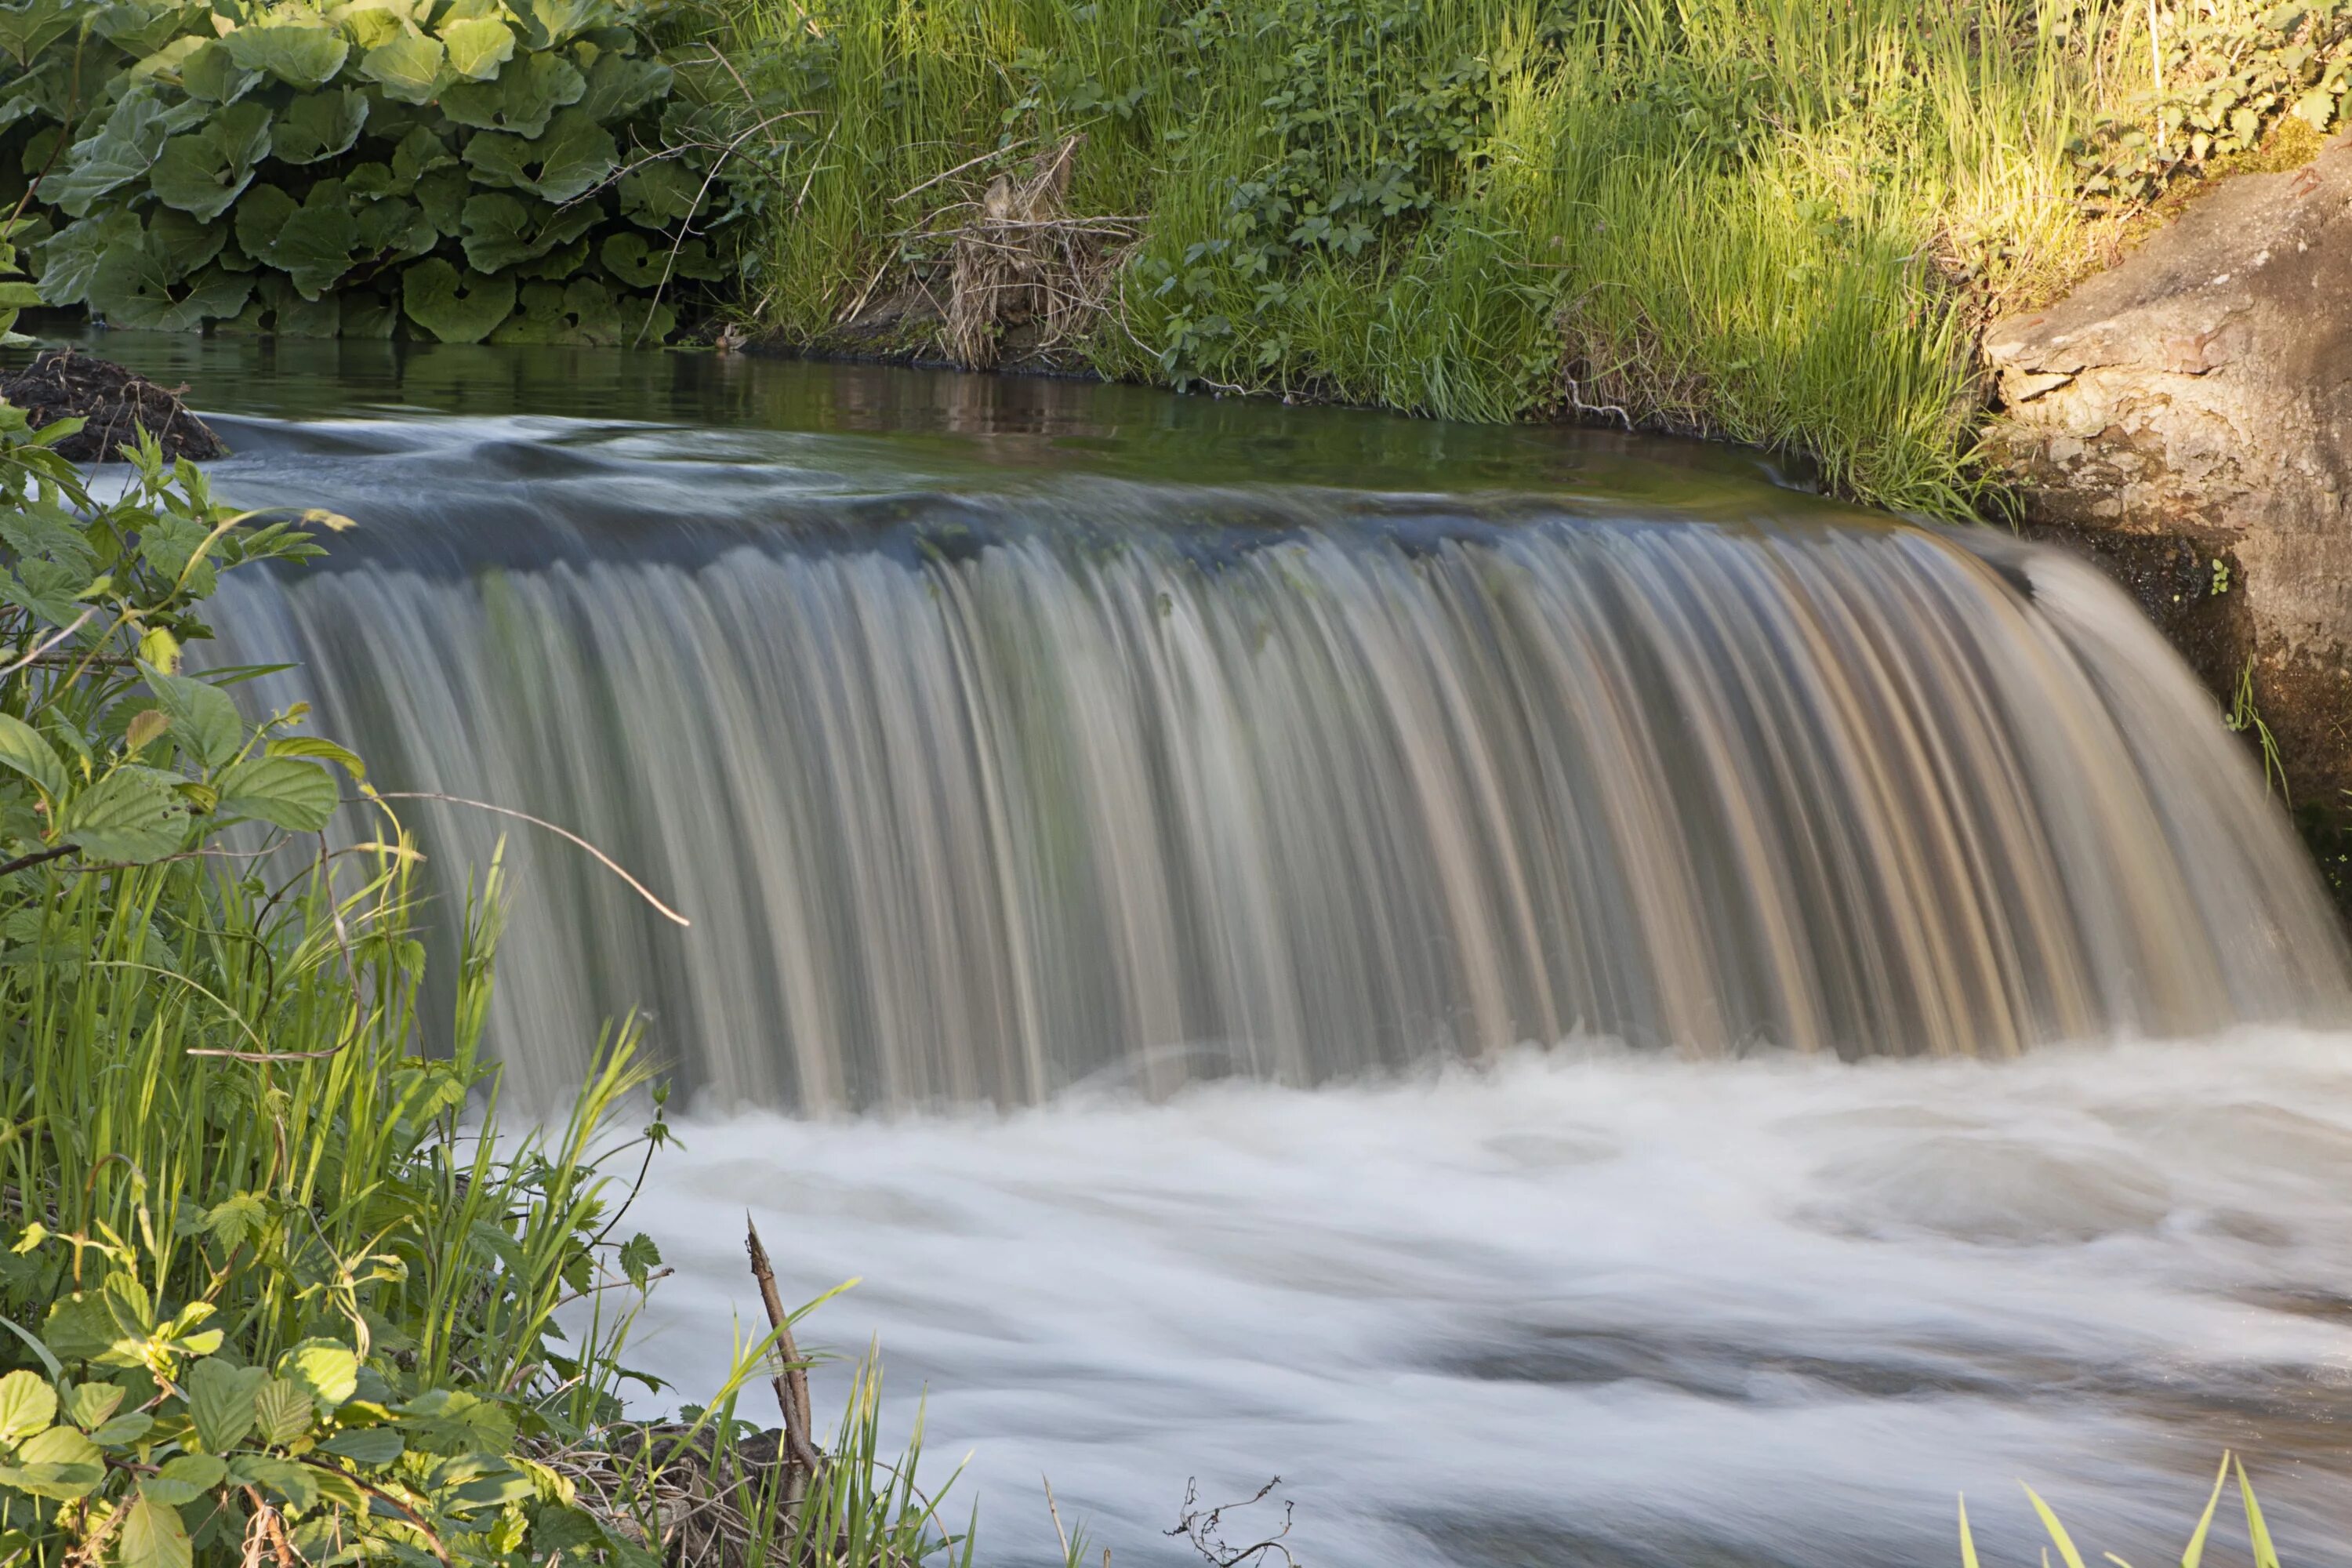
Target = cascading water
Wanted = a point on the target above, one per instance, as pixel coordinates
(979, 799)
(1005, 748)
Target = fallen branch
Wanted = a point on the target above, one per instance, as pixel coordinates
(792, 1379)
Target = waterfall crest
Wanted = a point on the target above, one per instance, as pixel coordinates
(977, 811)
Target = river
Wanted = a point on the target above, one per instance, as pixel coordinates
(1575, 1000)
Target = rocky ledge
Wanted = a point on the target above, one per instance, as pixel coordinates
(2188, 416)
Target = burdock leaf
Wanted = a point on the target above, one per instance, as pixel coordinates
(26, 30)
(419, 153)
(320, 125)
(201, 174)
(136, 29)
(211, 73)
(619, 85)
(304, 58)
(658, 193)
(443, 193)
(503, 230)
(574, 156)
(70, 258)
(395, 228)
(156, 305)
(410, 69)
(314, 245)
(477, 47)
(548, 23)
(455, 307)
(121, 151)
(260, 214)
(522, 98)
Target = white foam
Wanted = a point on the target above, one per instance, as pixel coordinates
(1782, 1310)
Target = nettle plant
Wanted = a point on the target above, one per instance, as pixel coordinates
(1358, 142)
(455, 169)
(2228, 86)
(267, 1293)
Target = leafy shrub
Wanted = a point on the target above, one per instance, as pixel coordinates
(1357, 133)
(267, 1293)
(457, 169)
(2229, 86)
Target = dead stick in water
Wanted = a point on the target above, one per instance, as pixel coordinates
(792, 1382)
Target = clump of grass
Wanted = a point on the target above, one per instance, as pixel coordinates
(2258, 1535)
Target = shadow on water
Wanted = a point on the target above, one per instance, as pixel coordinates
(957, 418)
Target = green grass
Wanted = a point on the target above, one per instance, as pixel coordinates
(275, 1284)
(1773, 221)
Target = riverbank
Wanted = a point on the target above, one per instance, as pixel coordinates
(1778, 225)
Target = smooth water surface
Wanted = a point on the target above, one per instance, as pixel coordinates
(1141, 808)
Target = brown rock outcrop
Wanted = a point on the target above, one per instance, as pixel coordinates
(2195, 402)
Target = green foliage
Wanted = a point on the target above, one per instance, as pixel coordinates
(2258, 1535)
(316, 169)
(2229, 83)
(1773, 221)
(274, 1285)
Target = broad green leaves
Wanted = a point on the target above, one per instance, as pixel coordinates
(122, 149)
(23, 750)
(304, 58)
(202, 171)
(221, 1401)
(288, 168)
(455, 307)
(154, 1535)
(27, 28)
(320, 125)
(522, 99)
(28, 1404)
(285, 792)
(133, 814)
(477, 47)
(410, 70)
(204, 719)
(573, 157)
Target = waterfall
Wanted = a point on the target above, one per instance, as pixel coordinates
(972, 799)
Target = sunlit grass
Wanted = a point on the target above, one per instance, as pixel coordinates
(1772, 221)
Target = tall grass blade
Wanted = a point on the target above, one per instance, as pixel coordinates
(2266, 1555)
(2195, 1552)
(2065, 1542)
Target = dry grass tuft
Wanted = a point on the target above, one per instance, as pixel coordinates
(1023, 262)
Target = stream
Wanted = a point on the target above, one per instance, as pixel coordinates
(1575, 1000)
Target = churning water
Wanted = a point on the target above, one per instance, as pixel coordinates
(1075, 782)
